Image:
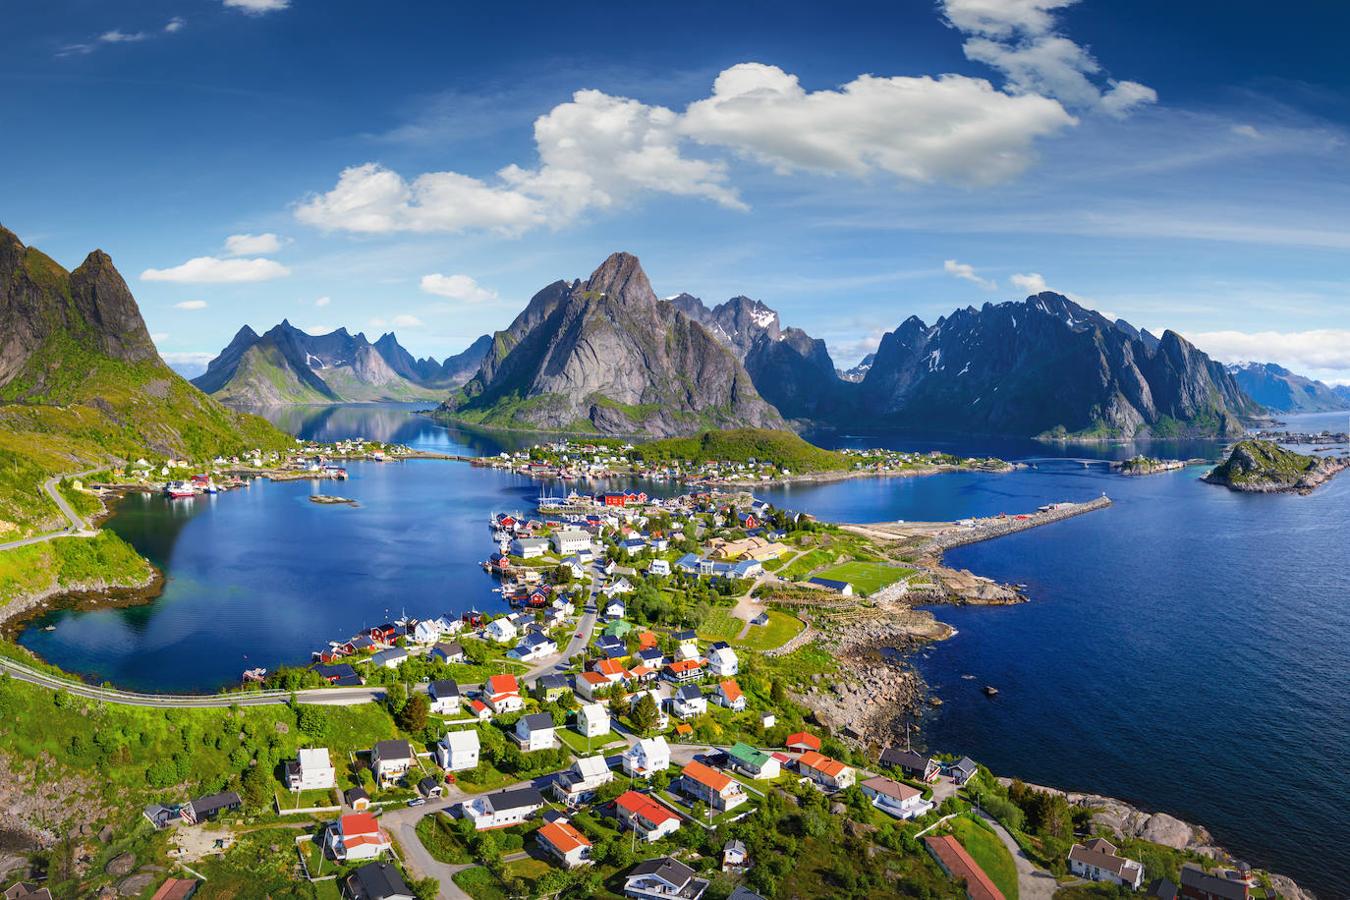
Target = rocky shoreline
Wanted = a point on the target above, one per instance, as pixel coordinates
(849, 474)
(84, 595)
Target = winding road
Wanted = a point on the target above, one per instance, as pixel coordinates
(78, 527)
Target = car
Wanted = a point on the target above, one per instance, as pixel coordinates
(581, 634)
(417, 801)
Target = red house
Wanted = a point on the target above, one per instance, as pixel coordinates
(801, 740)
(615, 499)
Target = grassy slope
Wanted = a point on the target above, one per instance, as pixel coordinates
(70, 563)
(782, 448)
(989, 854)
(1252, 461)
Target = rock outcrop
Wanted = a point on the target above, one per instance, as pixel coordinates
(606, 355)
(1264, 467)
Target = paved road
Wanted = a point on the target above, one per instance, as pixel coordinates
(1032, 883)
(78, 527)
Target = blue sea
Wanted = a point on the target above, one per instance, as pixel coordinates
(1186, 650)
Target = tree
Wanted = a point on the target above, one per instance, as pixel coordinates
(426, 888)
(645, 713)
(413, 716)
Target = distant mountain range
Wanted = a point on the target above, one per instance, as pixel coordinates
(1280, 390)
(286, 365)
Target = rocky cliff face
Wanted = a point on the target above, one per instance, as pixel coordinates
(1047, 366)
(1264, 467)
(1280, 390)
(607, 355)
(858, 372)
(462, 366)
(286, 365)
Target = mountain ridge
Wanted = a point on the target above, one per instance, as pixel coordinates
(1282, 391)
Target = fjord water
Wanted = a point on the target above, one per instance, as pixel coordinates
(1185, 650)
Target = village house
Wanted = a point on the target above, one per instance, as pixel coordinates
(570, 540)
(830, 584)
(1197, 884)
(391, 658)
(510, 807)
(735, 858)
(502, 694)
(753, 762)
(953, 859)
(688, 702)
(592, 720)
(391, 760)
(579, 783)
(802, 741)
(615, 609)
(646, 757)
(534, 732)
(662, 720)
(356, 798)
(479, 710)
(652, 657)
(613, 670)
(452, 652)
(529, 547)
(430, 787)
(312, 770)
(963, 770)
(663, 878)
(658, 567)
(357, 836)
(502, 630)
(590, 682)
(205, 808)
(723, 663)
(377, 881)
(729, 694)
(615, 588)
(911, 764)
(717, 789)
(684, 670)
(640, 813)
(425, 632)
(561, 839)
(1097, 860)
(894, 798)
(444, 696)
(458, 750)
(534, 645)
(549, 688)
(828, 773)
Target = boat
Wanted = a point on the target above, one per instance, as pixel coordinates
(257, 674)
(990, 690)
(179, 489)
(50, 628)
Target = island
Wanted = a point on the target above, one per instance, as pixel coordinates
(1264, 467)
(1147, 465)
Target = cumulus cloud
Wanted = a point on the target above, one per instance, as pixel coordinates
(966, 272)
(1018, 38)
(322, 301)
(456, 287)
(159, 337)
(1032, 282)
(214, 270)
(252, 244)
(403, 320)
(1321, 352)
(190, 304)
(257, 7)
(175, 24)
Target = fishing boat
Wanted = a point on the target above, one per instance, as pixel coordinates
(256, 675)
(335, 472)
(179, 489)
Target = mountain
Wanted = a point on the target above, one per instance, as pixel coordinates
(287, 365)
(1049, 367)
(82, 385)
(789, 368)
(606, 355)
(461, 367)
(1342, 391)
(856, 373)
(1280, 390)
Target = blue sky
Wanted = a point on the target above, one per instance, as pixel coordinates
(425, 167)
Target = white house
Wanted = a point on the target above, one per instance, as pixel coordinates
(444, 697)
(529, 548)
(663, 878)
(535, 732)
(501, 630)
(592, 720)
(534, 645)
(451, 652)
(729, 694)
(570, 540)
(1097, 860)
(391, 658)
(658, 567)
(830, 774)
(647, 757)
(717, 789)
(562, 840)
(312, 771)
(501, 693)
(754, 762)
(615, 609)
(426, 632)
(688, 702)
(391, 760)
(357, 836)
(895, 798)
(615, 588)
(578, 783)
(458, 750)
(502, 808)
(723, 663)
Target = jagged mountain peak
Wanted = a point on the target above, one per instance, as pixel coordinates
(620, 277)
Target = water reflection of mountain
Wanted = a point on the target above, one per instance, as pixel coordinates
(391, 423)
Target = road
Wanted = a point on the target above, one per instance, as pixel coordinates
(580, 638)
(1032, 883)
(77, 526)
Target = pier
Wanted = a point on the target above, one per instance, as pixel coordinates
(938, 537)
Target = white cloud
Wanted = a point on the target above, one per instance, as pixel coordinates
(1322, 352)
(1032, 283)
(187, 358)
(121, 37)
(317, 329)
(257, 7)
(175, 24)
(1018, 38)
(190, 304)
(211, 270)
(950, 128)
(252, 244)
(456, 287)
(967, 272)
(159, 337)
(323, 301)
(1249, 131)
(403, 320)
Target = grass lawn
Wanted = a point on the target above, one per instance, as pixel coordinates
(782, 628)
(720, 625)
(480, 884)
(988, 852)
(529, 869)
(577, 744)
(867, 578)
(802, 565)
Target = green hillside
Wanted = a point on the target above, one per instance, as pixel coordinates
(781, 448)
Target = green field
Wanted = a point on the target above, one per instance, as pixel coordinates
(782, 628)
(988, 852)
(720, 625)
(866, 578)
(802, 565)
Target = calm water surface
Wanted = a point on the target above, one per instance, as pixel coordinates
(1186, 649)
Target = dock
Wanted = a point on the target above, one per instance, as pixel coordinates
(937, 537)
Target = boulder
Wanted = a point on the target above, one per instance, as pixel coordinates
(1160, 828)
(105, 834)
(122, 864)
(135, 885)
